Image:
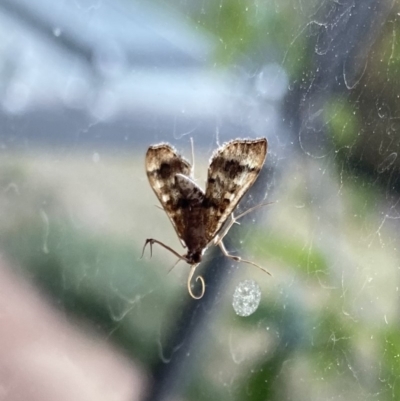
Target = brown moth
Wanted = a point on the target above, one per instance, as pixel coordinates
(199, 217)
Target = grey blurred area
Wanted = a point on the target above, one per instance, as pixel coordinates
(112, 74)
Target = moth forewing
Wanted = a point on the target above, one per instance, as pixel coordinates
(162, 165)
(233, 170)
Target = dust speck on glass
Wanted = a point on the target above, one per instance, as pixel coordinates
(246, 298)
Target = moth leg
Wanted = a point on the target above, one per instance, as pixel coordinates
(198, 278)
(181, 258)
(221, 236)
(253, 208)
(234, 220)
(152, 241)
(239, 259)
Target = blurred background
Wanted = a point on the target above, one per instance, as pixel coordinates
(86, 86)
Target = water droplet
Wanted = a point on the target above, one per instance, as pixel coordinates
(57, 32)
(246, 298)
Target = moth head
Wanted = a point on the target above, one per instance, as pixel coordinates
(194, 257)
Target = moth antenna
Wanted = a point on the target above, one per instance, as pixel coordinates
(203, 284)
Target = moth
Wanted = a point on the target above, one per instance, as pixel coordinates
(200, 218)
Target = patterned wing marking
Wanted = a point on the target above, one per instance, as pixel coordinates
(233, 169)
(190, 191)
(163, 164)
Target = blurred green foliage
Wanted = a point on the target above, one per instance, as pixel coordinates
(343, 122)
(289, 252)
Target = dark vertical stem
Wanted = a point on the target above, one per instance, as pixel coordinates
(182, 347)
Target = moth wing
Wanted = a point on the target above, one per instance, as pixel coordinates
(233, 169)
(190, 192)
(163, 164)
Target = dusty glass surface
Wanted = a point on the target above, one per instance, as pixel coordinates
(86, 86)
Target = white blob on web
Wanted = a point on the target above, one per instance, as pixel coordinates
(246, 298)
